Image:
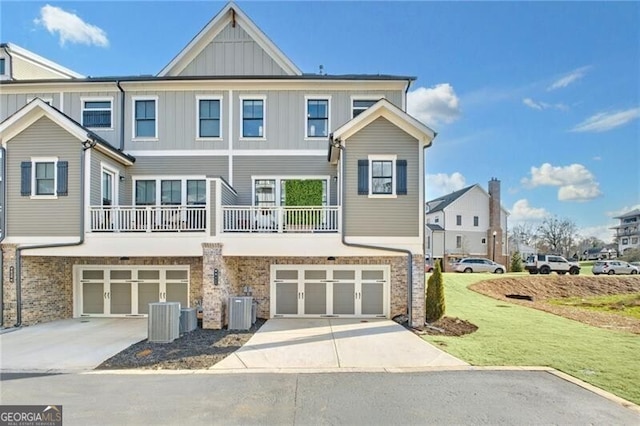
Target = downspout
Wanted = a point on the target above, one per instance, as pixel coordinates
(121, 115)
(338, 145)
(406, 91)
(91, 144)
(4, 230)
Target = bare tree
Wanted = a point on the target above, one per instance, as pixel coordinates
(525, 233)
(557, 234)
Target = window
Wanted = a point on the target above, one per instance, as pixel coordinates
(625, 241)
(634, 240)
(107, 187)
(145, 119)
(45, 178)
(317, 118)
(265, 192)
(459, 220)
(483, 241)
(208, 118)
(196, 192)
(475, 220)
(96, 113)
(458, 241)
(429, 242)
(145, 192)
(358, 106)
(382, 177)
(2, 66)
(171, 192)
(253, 118)
(437, 220)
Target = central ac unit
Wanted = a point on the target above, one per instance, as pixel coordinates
(164, 322)
(240, 313)
(188, 320)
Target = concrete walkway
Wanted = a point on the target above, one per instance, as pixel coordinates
(68, 345)
(335, 344)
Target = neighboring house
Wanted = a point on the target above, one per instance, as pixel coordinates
(628, 231)
(468, 222)
(230, 171)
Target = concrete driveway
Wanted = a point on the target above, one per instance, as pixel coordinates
(68, 345)
(335, 344)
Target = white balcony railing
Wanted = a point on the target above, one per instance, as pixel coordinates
(281, 219)
(147, 218)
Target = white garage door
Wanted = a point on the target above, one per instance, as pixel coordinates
(330, 290)
(127, 290)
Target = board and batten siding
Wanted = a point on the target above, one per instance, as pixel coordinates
(12, 102)
(43, 217)
(382, 217)
(173, 166)
(97, 160)
(73, 108)
(244, 167)
(232, 52)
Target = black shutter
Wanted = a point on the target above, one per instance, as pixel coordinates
(63, 178)
(401, 174)
(363, 177)
(25, 186)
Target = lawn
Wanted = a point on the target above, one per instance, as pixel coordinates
(510, 335)
(622, 304)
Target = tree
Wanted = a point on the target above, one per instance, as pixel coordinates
(516, 262)
(557, 235)
(525, 233)
(435, 306)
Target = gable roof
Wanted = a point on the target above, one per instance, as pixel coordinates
(39, 61)
(37, 108)
(382, 108)
(446, 200)
(632, 213)
(231, 13)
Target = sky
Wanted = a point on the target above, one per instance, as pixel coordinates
(544, 96)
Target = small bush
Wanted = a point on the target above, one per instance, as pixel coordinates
(516, 262)
(435, 305)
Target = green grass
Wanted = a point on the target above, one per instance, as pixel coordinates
(622, 304)
(511, 335)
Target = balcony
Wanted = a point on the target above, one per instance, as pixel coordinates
(281, 219)
(147, 218)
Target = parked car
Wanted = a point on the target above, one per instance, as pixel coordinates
(613, 267)
(547, 263)
(478, 264)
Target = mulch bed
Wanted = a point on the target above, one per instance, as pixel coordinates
(449, 326)
(199, 349)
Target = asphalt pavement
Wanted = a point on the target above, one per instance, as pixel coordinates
(462, 397)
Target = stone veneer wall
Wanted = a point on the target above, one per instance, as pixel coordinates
(238, 272)
(47, 283)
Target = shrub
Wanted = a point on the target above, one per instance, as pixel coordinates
(631, 255)
(435, 305)
(516, 262)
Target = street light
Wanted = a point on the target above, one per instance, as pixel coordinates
(494, 245)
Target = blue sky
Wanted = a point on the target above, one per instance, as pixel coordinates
(542, 95)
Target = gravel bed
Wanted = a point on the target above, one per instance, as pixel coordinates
(199, 349)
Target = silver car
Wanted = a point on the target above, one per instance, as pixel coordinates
(613, 267)
(478, 264)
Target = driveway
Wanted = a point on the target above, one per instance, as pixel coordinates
(68, 345)
(335, 344)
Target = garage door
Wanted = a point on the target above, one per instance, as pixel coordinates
(127, 290)
(330, 291)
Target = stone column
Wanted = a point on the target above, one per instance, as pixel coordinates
(418, 292)
(8, 287)
(214, 296)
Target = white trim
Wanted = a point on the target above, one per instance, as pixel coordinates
(6, 75)
(39, 160)
(158, 180)
(368, 97)
(262, 98)
(61, 106)
(38, 240)
(280, 178)
(235, 152)
(377, 157)
(104, 167)
(134, 99)
(46, 100)
(308, 98)
(84, 99)
(208, 98)
(230, 167)
(87, 189)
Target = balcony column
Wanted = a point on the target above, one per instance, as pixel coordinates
(216, 286)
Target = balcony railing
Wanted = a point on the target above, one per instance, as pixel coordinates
(148, 218)
(321, 219)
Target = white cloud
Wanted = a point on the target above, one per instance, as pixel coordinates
(602, 232)
(522, 212)
(434, 105)
(604, 121)
(539, 105)
(623, 210)
(70, 27)
(575, 182)
(441, 184)
(569, 78)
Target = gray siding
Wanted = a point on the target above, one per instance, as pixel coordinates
(383, 217)
(232, 52)
(173, 166)
(245, 167)
(228, 197)
(73, 108)
(43, 218)
(10, 103)
(95, 197)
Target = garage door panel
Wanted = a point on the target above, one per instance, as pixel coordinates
(120, 298)
(344, 298)
(372, 298)
(286, 298)
(315, 298)
(147, 293)
(178, 292)
(93, 298)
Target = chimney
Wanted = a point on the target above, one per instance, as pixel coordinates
(494, 204)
